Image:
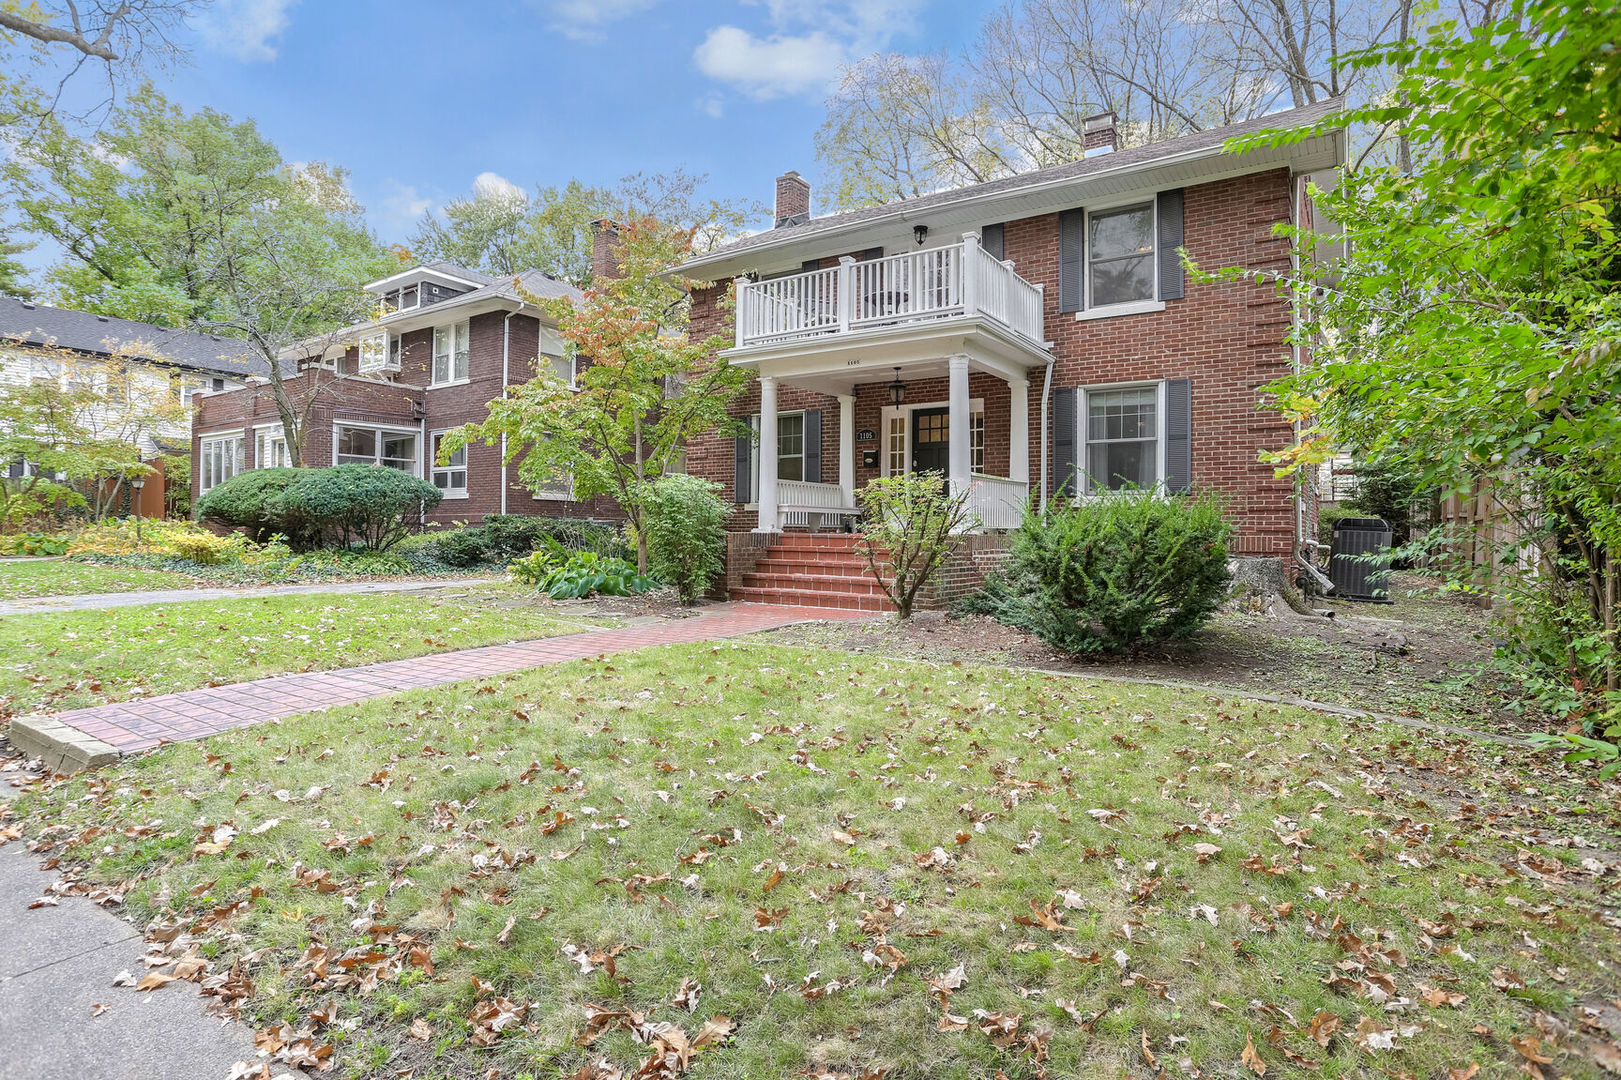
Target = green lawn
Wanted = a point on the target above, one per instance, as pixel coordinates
(68, 660)
(27, 578)
(948, 873)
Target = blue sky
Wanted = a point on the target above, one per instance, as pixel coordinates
(418, 100)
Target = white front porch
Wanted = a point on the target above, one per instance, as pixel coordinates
(925, 431)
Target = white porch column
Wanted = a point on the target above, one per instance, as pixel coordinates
(959, 458)
(847, 447)
(1018, 454)
(767, 496)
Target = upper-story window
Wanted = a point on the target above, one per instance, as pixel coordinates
(1120, 256)
(450, 354)
(402, 299)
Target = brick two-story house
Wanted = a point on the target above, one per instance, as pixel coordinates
(449, 341)
(1034, 337)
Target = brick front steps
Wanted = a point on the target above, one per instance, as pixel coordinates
(822, 570)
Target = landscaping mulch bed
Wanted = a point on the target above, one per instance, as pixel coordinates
(1423, 653)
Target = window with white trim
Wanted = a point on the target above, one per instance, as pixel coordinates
(1123, 434)
(218, 459)
(373, 353)
(450, 354)
(790, 449)
(976, 441)
(270, 448)
(562, 368)
(394, 449)
(451, 477)
(895, 444)
(1120, 256)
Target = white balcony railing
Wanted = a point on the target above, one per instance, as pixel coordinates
(997, 501)
(914, 286)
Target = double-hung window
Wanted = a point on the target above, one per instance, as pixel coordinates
(270, 448)
(219, 459)
(1122, 438)
(377, 446)
(450, 354)
(1120, 256)
(562, 368)
(450, 477)
(791, 446)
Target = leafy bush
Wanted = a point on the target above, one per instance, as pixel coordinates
(684, 520)
(252, 500)
(586, 572)
(35, 543)
(343, 505)
(1111, 573)
(164, 539)
(533, 567)
(911, 523)
(460, 547)
(513, 536)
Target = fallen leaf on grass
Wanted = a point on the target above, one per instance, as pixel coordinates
(421, 1030)
(1252, 1057)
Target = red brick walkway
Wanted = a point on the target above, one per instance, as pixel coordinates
(130, 726)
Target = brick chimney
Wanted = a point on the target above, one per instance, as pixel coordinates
(605, 251)
(1100, 133)
(793, 199)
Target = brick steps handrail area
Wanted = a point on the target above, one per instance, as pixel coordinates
(817, 570)
(85, 737)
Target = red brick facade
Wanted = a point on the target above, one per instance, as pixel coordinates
(1228, 339)
(405, 400)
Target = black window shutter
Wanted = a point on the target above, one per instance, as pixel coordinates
(810, 264)
(1071, 246)
(813, 445)
(1179, 436)
(743, 459)
(872, 253)
(1172, 278)
(990, 238)
(1065, 475)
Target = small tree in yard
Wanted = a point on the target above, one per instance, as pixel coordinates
(912, 523)
(642, 390)
(686, 526)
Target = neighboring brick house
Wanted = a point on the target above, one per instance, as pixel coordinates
(38, 341)
(1031, 337)
(449, 341)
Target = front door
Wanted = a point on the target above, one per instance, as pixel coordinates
(931, 440)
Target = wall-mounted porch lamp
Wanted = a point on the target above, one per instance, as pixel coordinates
(897, 390)
(921, 232)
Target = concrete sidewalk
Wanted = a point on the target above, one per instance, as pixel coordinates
(102, 601)
(88, 738)
(56, 962)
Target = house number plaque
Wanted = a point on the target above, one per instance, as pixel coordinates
(866, 435)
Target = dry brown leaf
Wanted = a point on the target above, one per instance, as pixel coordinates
(1252, 1057)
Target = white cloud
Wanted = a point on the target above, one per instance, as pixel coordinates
(809, 44)
(488, 185)
(245, 29)
(586, 20)
(400, 209)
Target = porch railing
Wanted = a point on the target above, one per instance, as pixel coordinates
(997, 501)
(914, 286)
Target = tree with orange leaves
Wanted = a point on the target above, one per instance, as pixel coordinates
(642, 388)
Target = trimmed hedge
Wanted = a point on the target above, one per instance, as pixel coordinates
(343, 506)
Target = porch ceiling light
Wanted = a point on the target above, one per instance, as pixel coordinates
(897, 389)
(921, 232)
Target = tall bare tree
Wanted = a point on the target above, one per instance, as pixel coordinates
(899, 126)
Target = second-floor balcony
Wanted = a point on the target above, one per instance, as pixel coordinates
(930, 285)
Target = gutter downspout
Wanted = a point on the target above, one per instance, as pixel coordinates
(506, 336)
(1046, 399)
